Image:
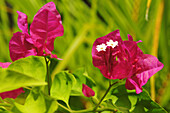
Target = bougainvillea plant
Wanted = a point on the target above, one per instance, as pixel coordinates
(118, 59)
(31, 53)
(46, 26)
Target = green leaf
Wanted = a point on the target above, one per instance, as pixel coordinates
(29, 71)
(81, 77)
(120, 99)
(62, 85)
(35, 103)
(33, 66)
(10, 80)
(51, 106)
(128, 101)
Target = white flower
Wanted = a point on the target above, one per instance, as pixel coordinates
(112, 44)
(101, 47)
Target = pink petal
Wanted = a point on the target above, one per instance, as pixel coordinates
(132, 49)
(121, 70)
(52, 8)
(139, 41)
(19, 47)
(44, 29)
(87, 91)
(4, 65)
(149, 66)
(22, 22)
(133, 84)
(130, 38)
(115, 36)
(12, 94)
(106, 60)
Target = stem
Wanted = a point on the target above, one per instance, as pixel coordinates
(88, 110)
(48, 75)
(83, 111)
(110, 82)
(105, 94)
(107, 109)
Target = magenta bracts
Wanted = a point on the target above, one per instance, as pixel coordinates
(87, 91)
(118, 59)
(46, 26)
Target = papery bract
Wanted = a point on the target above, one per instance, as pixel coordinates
(10, 94)
(113, 63)
(44, 29)
(149, 66)
(21, 44)
(20, 47)
(52, 8)
(87, 91)
(144, 66)
(4, 65)
(46, 26)
(124, 59)
(22, 22)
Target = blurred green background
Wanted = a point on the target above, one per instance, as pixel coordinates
(86, 20)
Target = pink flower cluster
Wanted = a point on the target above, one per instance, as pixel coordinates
(46, 26)
(118, 59)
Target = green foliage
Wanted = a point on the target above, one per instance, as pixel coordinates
(61, 87)
(10, 80)
(81, 77)
(33, 66)
(28, 71)
(36, 103)
(128, 101)
(66, 84)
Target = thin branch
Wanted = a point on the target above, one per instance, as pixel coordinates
(95, 109)
(48, 75)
